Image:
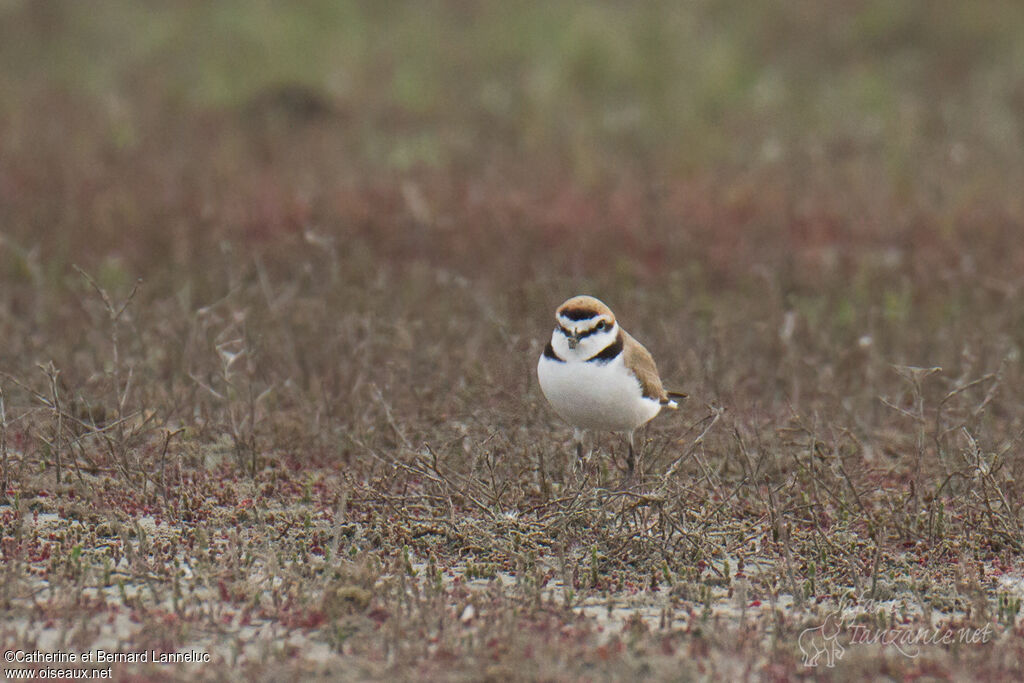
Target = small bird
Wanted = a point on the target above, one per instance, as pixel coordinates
(597, 377)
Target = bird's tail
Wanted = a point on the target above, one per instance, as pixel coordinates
(670, 400)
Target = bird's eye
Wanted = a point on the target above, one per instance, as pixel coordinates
(601, 325)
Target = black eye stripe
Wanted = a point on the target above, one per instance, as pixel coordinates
(587, 333)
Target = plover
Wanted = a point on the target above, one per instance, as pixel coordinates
(598, 377)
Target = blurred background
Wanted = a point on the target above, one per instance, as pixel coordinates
(143, 124)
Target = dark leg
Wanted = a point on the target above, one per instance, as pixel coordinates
(631, 457)
(577, 436)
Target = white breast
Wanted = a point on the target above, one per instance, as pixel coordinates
(600, 396)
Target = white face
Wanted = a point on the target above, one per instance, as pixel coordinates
(582, 339)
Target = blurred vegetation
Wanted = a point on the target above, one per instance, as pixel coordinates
(689, 84)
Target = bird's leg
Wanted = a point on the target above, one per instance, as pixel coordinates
(631, 457)
(580, 461)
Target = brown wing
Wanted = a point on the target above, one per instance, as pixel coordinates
(640, 360)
